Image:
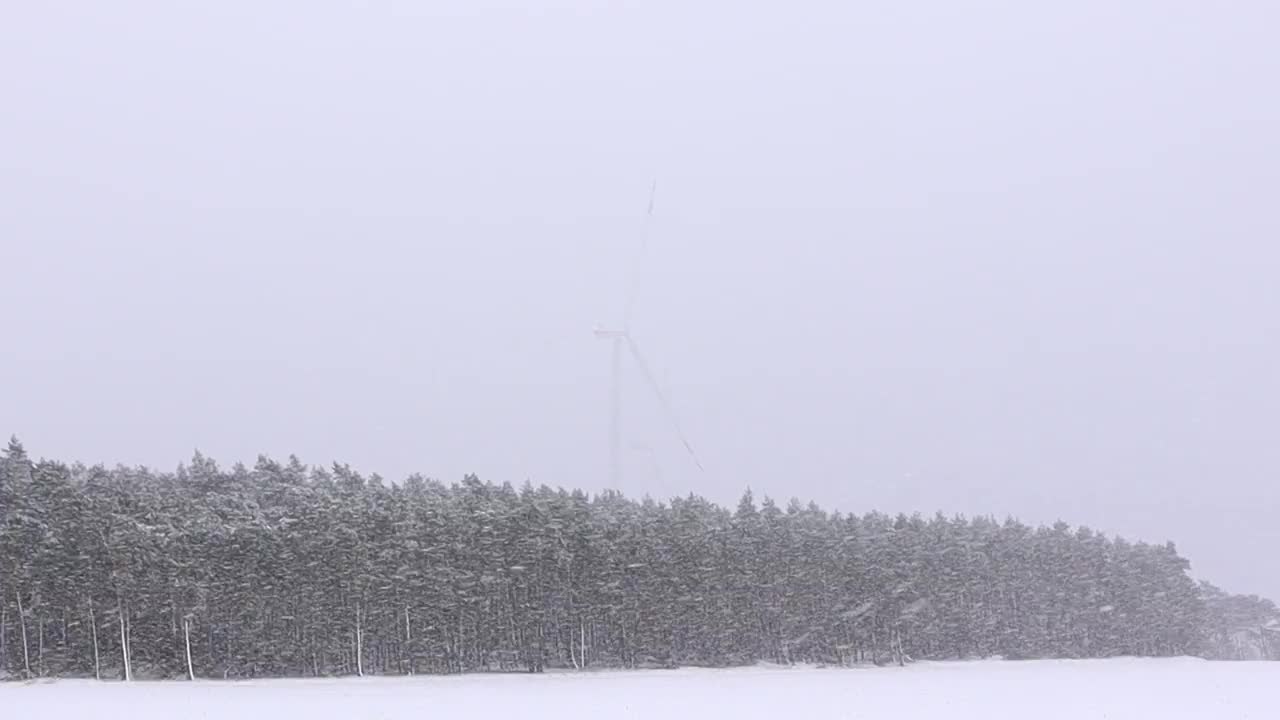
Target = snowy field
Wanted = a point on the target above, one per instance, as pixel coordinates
(1071, 690)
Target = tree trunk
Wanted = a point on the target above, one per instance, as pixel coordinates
(128, 641)
(22, 623)
(359, 644)
(408, 638)
(93, 629)
(572, 658)
(40, 646)
(625, 658)
(186, 636)
(124, 642)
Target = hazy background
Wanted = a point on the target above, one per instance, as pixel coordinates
(983, 257)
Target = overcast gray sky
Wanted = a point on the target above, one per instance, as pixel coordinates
(979, 257)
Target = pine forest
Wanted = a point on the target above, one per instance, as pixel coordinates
(282, 569)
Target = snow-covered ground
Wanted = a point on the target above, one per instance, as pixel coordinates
(1071, 690)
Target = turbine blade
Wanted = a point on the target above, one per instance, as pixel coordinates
(662, 399)
(637, 267)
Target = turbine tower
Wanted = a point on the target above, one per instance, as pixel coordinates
(624, 344)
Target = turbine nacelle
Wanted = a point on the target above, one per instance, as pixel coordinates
(603, 333)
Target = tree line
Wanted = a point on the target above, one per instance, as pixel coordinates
(287, 570)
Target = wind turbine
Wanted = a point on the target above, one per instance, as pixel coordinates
(624, 344)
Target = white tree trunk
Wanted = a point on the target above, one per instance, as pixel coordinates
(582, 642)
(93, 629)
(22, 622)
(408, 638)
(124, 643)
(573, 658)
(186, 636)
(359, 644)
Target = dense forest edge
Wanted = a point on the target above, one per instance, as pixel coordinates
(288, 570)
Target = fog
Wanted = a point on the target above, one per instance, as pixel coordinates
(983, 258)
